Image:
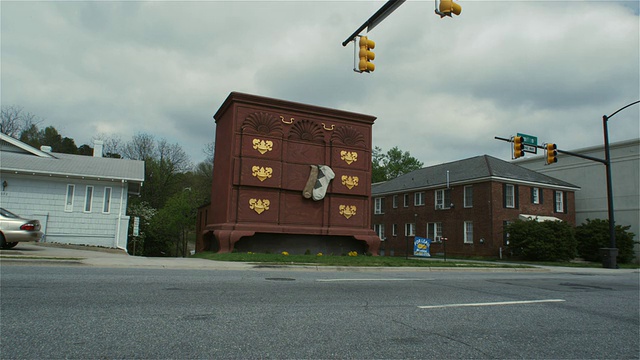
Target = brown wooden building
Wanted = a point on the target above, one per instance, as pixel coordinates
(468, 202)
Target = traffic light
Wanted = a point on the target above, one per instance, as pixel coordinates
(366, 55)
(448, 7)
(518, 147)
(551, 154)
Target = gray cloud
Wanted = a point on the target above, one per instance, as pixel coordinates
(443, 88)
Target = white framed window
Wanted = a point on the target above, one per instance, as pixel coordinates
(378, 206)
(418, 198)
(88, 198)
(68, 204)
(535, 195)
(434, 231)
(394, 229)
(379, 229)
(409, 229)
(106, 203)
(406, 200)
(559, 195)
(468, 196)
(442, 199)
(468, 232)
(509, 196)
(395, 201)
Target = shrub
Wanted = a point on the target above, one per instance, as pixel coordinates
(594, 235)
(542, 241)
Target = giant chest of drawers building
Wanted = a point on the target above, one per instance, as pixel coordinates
(265, 152)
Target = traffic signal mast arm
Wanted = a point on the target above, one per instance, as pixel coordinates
(376, 18)
(559, 151)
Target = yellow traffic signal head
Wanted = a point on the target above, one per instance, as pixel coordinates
(518, 147)
(366, 55)
(365, 42)
(551, 154)
(448, 7)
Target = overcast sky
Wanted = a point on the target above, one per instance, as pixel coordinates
(442, 88)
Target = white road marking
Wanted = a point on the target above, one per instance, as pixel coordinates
(336, 280)
(499, 303)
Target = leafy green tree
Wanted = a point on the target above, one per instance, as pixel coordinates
(392, 164)
(594, 235)
(48, 136)
(542, 241)
(165, 165)
(171, 226)
(145, 212)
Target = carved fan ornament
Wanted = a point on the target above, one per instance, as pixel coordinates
(262, 123)
(306, 130)
(348, 136)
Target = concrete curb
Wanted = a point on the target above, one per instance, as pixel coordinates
(59, 255)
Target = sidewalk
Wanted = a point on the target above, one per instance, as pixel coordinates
(60, 254)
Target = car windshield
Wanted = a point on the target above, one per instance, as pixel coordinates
(8, 214)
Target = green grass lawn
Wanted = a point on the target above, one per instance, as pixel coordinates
(388, 261)
(360, 260)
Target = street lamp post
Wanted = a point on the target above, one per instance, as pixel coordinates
(610, 254)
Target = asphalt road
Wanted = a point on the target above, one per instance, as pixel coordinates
(53, 312)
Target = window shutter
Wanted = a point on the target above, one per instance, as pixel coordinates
(516, 202)
(564, 201)
(540, 194)
(504, 195)
(531, 192)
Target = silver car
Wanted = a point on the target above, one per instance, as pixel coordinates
(14, 229)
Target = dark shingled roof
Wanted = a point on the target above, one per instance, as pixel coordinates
(479, 168)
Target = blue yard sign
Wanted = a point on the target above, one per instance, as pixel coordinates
(421, 246)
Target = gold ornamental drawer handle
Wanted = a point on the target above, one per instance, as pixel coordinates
(328, 129)
(285, 121)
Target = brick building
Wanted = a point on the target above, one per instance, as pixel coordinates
(468, 202)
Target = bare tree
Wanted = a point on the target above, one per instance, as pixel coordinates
(141, 147)
(209, 150)
(13, 120)
(173, 157)
(111, 145)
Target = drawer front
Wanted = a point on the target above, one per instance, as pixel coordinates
(296, 210)
(349, 158)
(260, 173)
(260, 146)
(350, 182)
(300, 152)
(295, 176)
(347, 211)
(258, 205)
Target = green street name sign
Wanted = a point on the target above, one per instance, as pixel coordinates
(530, 143)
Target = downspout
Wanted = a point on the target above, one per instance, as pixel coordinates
(117, 238)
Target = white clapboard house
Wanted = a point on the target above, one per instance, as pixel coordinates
(78, 199)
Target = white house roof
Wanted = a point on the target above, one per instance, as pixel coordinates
(18, 157)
